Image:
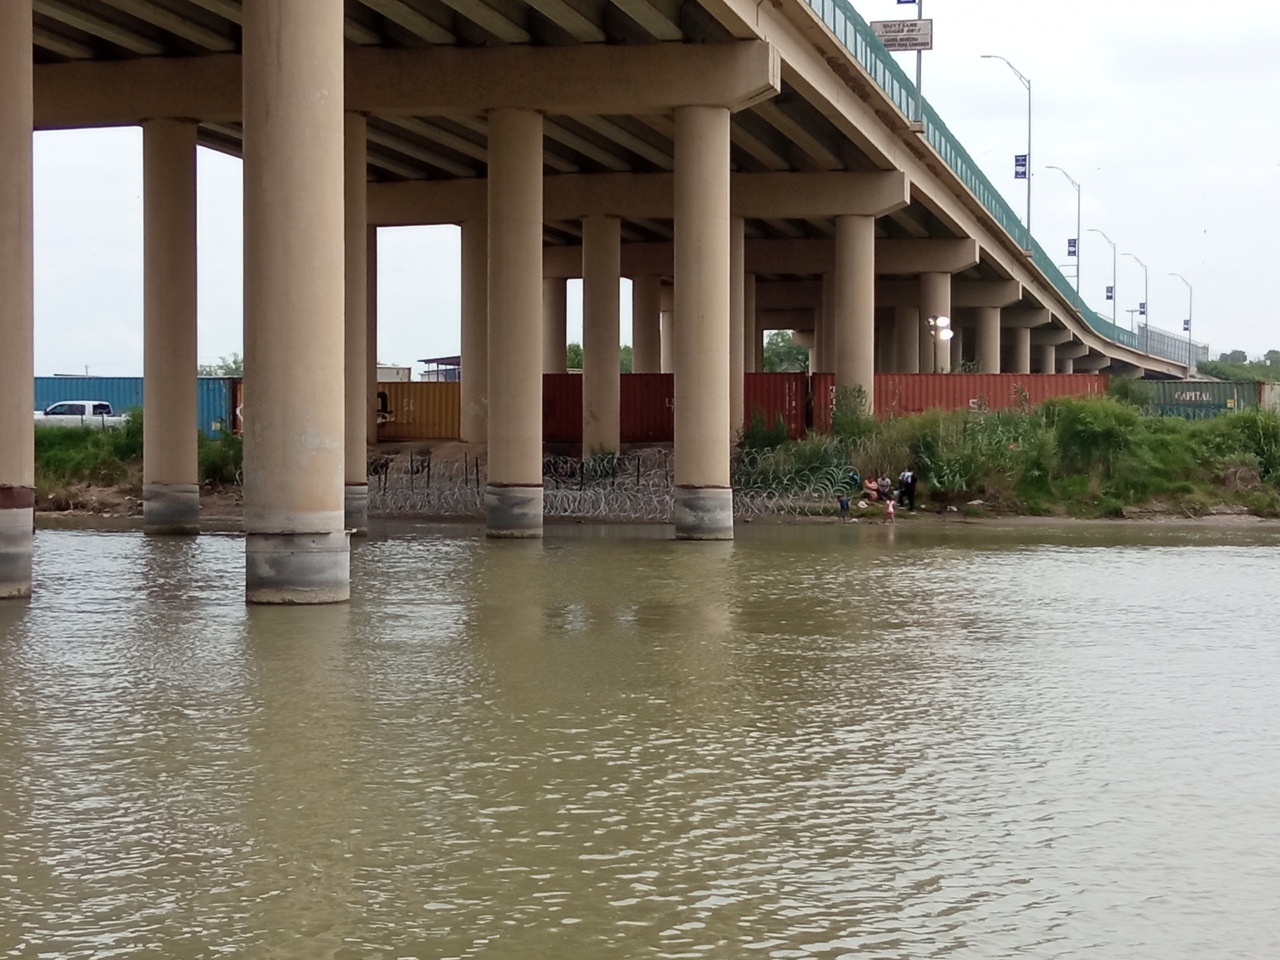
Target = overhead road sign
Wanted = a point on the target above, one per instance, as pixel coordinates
(900, 35)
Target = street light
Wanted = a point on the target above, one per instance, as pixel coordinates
(939, 330)
(1114, 260)
(1146, 302)
(1188, 320)
(1077, 186)
(1026, 83)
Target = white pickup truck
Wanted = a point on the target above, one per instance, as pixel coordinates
(79, 413)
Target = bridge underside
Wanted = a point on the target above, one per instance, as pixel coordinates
(735, 160)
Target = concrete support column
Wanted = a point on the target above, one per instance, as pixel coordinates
(988, 343)
(1048, 358)
(737, 322)
(1021, 339)
(1066, 365)
(601, 384)
(822, 354)
(703, 496)
(667, 299)
(356, 474)
(906, 325)
(17, 345)
(935, 301)
(854, 327)
(474, 426)
(752, 348)
(555, 325)
(170, 465)
(297, 550)
(513, 497)
(646, 324)
(371, 333)
(957, 347)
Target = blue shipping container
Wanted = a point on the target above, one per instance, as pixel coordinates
(213, 397)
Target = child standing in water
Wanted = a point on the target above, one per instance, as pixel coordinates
(888, 511)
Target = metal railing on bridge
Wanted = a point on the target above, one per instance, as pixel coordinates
(858, 38)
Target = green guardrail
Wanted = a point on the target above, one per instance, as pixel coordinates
(856, 35)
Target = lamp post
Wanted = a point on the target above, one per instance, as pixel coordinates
(1188, 321)
(1073, 182)
(940, 330)
(1114, 260)
(1026, 83)
(1146, 302)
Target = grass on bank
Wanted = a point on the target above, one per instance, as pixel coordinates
(68, 457)
(1087, 457)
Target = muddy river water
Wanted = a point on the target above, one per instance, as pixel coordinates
(814, 742)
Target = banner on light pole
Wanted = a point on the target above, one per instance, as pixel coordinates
(1111, 293)
(1020, 166)
(1071, 248)
(1186, 326)
(1142, 309)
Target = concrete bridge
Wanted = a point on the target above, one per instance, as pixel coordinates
(750, 166)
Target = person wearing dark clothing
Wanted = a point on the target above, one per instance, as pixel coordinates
(907, 488)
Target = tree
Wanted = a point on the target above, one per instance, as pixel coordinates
(573, 357)
(231, 365)
(1235, 356)
(1272, 358)
(784, 355)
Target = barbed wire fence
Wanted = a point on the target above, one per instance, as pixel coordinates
(637, 486)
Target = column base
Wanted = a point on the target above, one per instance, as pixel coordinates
(171, 508)
(513, 512)
(356, 509)
(298, 567)
(704, 513)
(16, 524)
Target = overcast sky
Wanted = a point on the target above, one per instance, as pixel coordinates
(1165, 111)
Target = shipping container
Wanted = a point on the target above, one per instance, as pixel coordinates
(1269, 396)
(1203, 399)
(562, 407)
(773, 395)
(417, 410)
(898, 394)
(648, 408)
(217, 403)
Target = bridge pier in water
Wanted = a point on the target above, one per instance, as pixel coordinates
(17, 298)
(297, 547)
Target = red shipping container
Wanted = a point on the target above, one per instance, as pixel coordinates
(898, 394)
(562, 407)
(778, 394)
(648, 408)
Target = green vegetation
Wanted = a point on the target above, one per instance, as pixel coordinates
(1087, 457)
(784, 355)
(228, 366)
(1236, 365)
(573, 357)
(67, 457)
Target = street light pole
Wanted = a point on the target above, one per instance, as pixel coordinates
(920, 69)
(1114, 263)
(941, 333)
(1190, 364)
(1146, 294)
(1026, 83)
(1077, 186)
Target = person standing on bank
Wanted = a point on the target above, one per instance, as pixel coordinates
(907, 489)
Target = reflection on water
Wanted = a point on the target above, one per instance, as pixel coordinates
(812, 742)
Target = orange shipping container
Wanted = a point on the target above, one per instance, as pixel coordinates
(898, 394)
(420, 410)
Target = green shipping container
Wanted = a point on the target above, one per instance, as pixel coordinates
(1202, 399)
